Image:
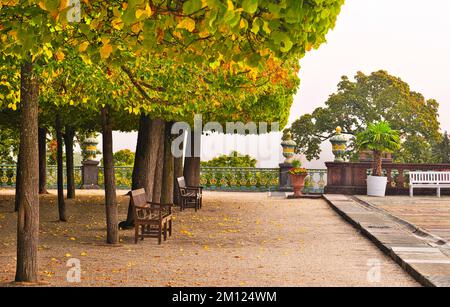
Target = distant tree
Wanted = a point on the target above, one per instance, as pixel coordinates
(234, 159)
(441, 150)
(369, 99)
(124, 157)
(9, 145)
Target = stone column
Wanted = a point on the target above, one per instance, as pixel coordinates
(284, 178)
(89, 173)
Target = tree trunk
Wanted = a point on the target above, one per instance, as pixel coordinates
(153, 141)
(69, 136)
(18, 193)
(168, 171)
(377, 160)
(158, 179)
(139, 167)
(112, 220)
(42, 161)
(28, 216)
(192, 164)
(145, 161)
(60, 171)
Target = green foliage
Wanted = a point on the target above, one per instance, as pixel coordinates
(9, 145)
(234, 159)
(441, 150)
(379, 137)
(372, 98)
(124, 157)
(296, 163)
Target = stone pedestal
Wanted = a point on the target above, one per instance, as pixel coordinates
(89, 173)
(285, 178)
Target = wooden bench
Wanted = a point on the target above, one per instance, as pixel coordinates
(191, 197)
(154, 220)
(429, 180)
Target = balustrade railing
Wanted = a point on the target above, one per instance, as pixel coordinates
(239, 179)
(350, 178)
(7, 175)
(316, 181)
(212, 178)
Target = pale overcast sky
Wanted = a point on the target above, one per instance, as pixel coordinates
(408, 38)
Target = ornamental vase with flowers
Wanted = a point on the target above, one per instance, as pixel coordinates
(298, 175)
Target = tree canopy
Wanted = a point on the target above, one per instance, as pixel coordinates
(368, 99)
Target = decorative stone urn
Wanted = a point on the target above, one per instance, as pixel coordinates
(298, 183)
(90, 147)
(89, 170)
(288, 148)
(339, 143)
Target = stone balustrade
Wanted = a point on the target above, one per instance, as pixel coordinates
(349, 178)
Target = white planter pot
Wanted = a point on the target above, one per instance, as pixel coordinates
(376, 186)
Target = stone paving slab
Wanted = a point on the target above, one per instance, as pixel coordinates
(429, 213)
(422, 255)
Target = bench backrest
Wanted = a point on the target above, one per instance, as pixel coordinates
(429, 177)
(181, 182)
(139, 198)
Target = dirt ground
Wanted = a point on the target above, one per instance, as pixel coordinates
(237, 239)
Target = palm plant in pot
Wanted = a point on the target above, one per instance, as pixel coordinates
(379, 138)
(298, 175)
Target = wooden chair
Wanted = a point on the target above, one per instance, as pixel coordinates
(154, 220)
(191, 197)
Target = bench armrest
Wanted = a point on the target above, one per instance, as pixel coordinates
(195, 187)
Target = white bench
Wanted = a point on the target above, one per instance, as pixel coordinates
(429, 180)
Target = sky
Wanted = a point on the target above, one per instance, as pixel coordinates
(408, 38)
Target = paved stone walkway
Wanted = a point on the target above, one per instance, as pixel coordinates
(429, 213)
(422, 254)
(237, 239)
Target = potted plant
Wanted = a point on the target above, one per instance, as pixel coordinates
(298, 175)
(379, 138)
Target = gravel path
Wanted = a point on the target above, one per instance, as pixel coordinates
(237, 239)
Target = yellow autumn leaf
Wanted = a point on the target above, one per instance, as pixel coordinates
(84, 254)
(117, 24)
(106, 50)
(136, 27)
(139, 13)
(147, 12)
(83, 46)
(42, 5)
(187, 23)
(63, 4)
(48, 53)
(230, 5)
(59, 55)
(67, 255)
